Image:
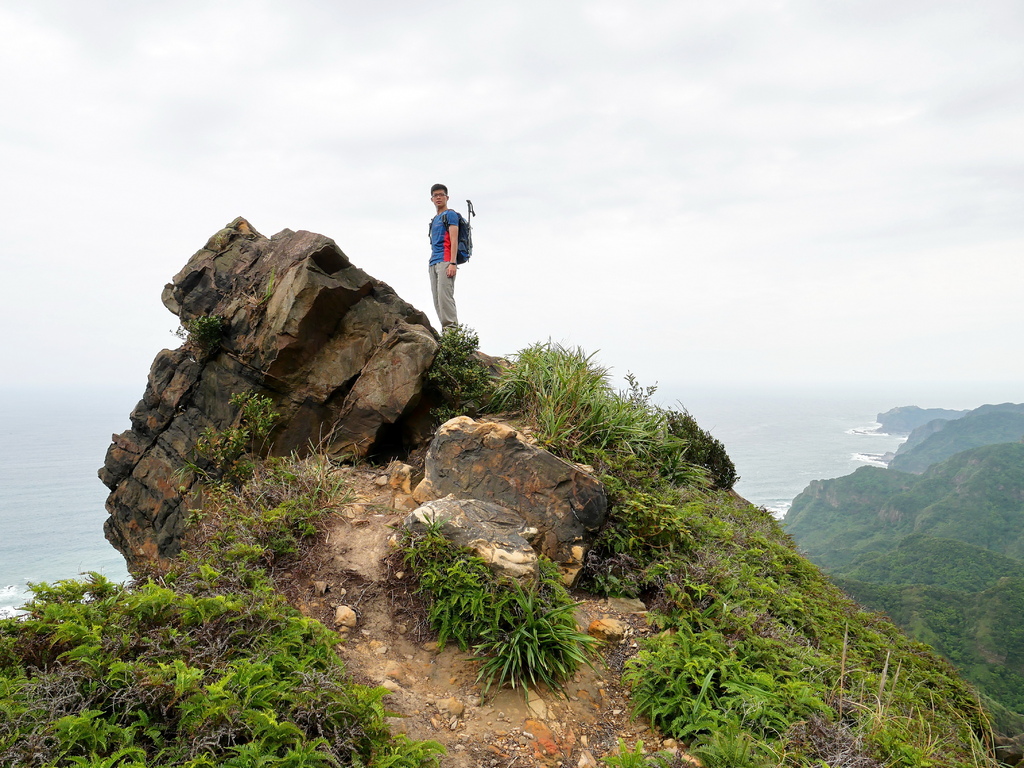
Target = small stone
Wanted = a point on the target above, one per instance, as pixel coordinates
(380, 480)
(404, 502)
(626, 605)
(400, 575)
(345, 617)
(587, 760)
(452, 707)
(537, 706)
(320, 587)
(392, 685)
(401, 477)
(608, 630)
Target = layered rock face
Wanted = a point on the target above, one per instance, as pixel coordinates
(341, 356)
(564, 505)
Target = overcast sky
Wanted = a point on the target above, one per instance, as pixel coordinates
(700, 191)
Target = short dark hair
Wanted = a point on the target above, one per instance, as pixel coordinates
(436, 187)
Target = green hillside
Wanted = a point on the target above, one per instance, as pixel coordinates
(906, 418)
(976, 497)
(980, 632)
(984, 426)
(923, 559)
(941, 553)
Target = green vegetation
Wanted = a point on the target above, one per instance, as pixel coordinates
(202, 666)
(457, 376)
(979, 632)
(758, 660)
(203, 334)
(526, 635)
(703, 449)
(987, 425)
(923, 559)
(907, 418)
(974, 497)
(228, 454)
(941, 553)
(636, 757)
(566, 397)
(755, 641)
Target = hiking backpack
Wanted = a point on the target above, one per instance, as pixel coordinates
(465, 233)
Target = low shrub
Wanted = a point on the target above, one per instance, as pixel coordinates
(229, 454)
(457, 377)
(703, 449)
(202, 334)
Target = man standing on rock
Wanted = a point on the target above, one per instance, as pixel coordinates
(444, 250)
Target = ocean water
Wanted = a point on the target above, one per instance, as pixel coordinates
(52, 443)
(781, 440)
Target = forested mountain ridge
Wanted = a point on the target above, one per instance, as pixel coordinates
(940, 439)
(976, 497)
(906, 418)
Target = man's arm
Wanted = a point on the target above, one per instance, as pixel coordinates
(453, 237)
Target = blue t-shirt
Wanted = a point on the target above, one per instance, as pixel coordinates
(440, 237)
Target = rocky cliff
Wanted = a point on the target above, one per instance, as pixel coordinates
(341, 356)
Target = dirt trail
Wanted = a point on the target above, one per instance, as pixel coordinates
(434, 693)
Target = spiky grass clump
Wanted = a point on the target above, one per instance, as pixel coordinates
(576, 414)
(533, 643)
(527, 635)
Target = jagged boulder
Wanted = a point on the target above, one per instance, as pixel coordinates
(498, 536)
(341, 356)
(492, 462)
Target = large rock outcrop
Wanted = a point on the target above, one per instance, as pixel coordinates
(492, 462)
(340, 354)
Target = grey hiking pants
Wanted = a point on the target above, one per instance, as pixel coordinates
(442, 288)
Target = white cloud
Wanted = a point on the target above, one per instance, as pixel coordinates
(723, 190)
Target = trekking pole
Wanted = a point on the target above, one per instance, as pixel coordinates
(470, 213)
